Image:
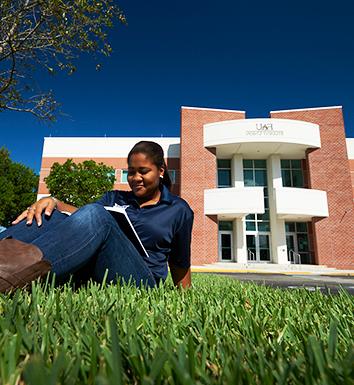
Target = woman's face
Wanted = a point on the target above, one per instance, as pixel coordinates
(143, 176)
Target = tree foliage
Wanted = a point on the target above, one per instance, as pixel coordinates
(47, 34)
(80, 183)
(18, 187)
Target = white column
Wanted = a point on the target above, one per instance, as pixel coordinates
(239, 223)
(277, 226)
(274, 169)
(240, 237)
(237, 171)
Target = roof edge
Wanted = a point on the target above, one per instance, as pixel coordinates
(308, 109)
(210, 109)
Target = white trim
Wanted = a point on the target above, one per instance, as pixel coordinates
(308, 109)
(233, 202)
(226, 135)
(292, 203)
(350, 148)
(103, 147)
(210, 109)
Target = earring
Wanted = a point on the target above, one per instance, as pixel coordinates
(161, 176)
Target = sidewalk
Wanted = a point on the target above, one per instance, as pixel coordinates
(271, 268)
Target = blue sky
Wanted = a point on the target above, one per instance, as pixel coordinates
(255, 56)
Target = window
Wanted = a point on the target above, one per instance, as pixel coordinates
(225, 225)
(173, 175)
(124, 176)
(255, 174)
(224, 173)
(260, 222)
(291, 172)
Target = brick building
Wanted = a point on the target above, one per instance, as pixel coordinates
(273, 190)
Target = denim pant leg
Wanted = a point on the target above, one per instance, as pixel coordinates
(92, 232)
(28, 233)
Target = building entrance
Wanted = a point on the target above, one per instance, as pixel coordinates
(297, 242)
(292, 247)
(225, 245)
(258, 246)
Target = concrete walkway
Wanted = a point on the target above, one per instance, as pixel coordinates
(271, 268)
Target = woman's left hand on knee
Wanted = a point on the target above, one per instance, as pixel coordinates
(36, 210)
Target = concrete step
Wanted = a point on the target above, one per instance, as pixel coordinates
(270, 268)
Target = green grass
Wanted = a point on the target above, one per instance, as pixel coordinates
(219, 332)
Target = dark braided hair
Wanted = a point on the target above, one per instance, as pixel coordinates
(154, 152)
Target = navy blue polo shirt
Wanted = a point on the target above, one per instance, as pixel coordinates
(164, 228)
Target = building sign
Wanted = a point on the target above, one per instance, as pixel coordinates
(264, 129)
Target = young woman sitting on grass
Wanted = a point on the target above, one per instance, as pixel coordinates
(90, 240)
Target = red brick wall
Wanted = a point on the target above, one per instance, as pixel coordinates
(198, 170)
(351, 166)
(328, 170)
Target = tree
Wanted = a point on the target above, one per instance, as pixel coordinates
(79, 183)
(18, 187)
(48, 34)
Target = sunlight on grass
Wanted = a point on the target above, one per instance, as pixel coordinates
(220, 332)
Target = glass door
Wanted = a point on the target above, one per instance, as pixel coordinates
(225, 245)
(291, 245)
(263, 247)
(291, 241)
(258, 247)
(251, 247)
(298, 242)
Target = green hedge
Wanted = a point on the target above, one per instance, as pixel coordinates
(219, 332)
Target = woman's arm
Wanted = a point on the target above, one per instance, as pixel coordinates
(180, 256)
(61, 206)
(181, 276)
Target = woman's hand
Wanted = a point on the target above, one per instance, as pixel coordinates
(47, 204)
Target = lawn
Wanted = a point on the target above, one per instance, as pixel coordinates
(220, 332)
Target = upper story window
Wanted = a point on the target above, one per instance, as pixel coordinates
(123, 176)
(255, 172)
(291, 173)
(225, 225)
(173, 175)
(224, 172)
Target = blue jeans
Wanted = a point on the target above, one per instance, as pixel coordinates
(89, 237)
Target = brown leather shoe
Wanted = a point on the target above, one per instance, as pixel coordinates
(20, 263)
